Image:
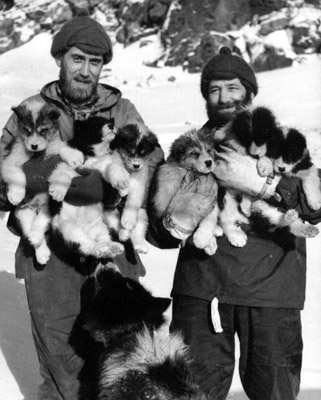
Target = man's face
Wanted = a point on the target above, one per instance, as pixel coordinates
(225, 98)
(79, 74)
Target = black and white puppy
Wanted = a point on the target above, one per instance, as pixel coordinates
(136, 359)
(134, 148)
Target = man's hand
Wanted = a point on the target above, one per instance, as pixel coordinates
(236, 171)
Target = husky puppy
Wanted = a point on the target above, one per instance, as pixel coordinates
(83, 227)
(295, 160)
(38, 136)
(185, 190)
(134, 147)
(137, 359)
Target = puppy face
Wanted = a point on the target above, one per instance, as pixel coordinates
(93, 136)
(38, 123)
(134, 146)
(194, 150)
(293, 150)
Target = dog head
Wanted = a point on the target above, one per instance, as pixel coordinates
(134, 146)
(93, 136)
(293, 151)
(194, 150)
(258, 131)
(121, 305)
(38, 123)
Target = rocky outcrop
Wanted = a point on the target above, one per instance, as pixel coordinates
(267, 33)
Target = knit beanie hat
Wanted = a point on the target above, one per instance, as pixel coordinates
(86, 34)
(225, 65)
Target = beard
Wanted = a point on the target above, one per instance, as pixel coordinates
(220, 115)
(77, 90)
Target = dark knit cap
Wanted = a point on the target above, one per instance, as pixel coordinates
(86, 34)
(225, 65)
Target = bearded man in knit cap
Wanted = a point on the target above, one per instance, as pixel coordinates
(255, 291)
(81, 48)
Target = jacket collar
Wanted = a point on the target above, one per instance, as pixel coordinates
(107, 96)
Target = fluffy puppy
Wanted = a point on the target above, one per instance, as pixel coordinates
(38, 136)
(137, 359)
(258, 132)
(83, 227)
(295, 160)
(185, 190)
(134, 147)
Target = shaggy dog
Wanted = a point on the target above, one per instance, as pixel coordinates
(134, 147)
(134, 358)
(185, 190)
(83, 228)
(38, 136)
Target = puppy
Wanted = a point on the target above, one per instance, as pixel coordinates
(258, 132)
(136, 359)
(84, 227)
(134, 147)
(185, 190)
(295, 160)
(38, 136)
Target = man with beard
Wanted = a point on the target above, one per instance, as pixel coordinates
(260, 288)
(81, 48)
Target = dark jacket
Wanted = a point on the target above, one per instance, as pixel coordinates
(109, 104)
(268, 271)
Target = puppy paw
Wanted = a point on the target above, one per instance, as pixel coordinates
(57, 191)
(129, 219)
(290, 216)
(237, 238)
(43, 254)
(116, 249)
(202, 239)
(211, 248)
(264, 166)
(314, 201)
(123, 235)
(141, 248)
(35, 238)
(310, 231)
(16, 194)
(74, 158)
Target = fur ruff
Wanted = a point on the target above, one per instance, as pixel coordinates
(134, 358)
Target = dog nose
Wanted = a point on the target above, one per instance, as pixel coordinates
(136, 166)
(208, 163)
(281, 169)
(34, 147)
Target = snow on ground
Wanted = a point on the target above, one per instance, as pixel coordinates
(170, 102)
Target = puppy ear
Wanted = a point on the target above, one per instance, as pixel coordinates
(51, 112)
(148, 142)
(158, 305)
(21, 112)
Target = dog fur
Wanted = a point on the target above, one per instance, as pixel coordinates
(38, 135)
(258, 133)
(84, 227)
(134, 147)
(190, 163)
(136, 359)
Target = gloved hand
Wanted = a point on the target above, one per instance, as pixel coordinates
(90, 188)
(195, 200)
(37, 171)
(86, 189)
